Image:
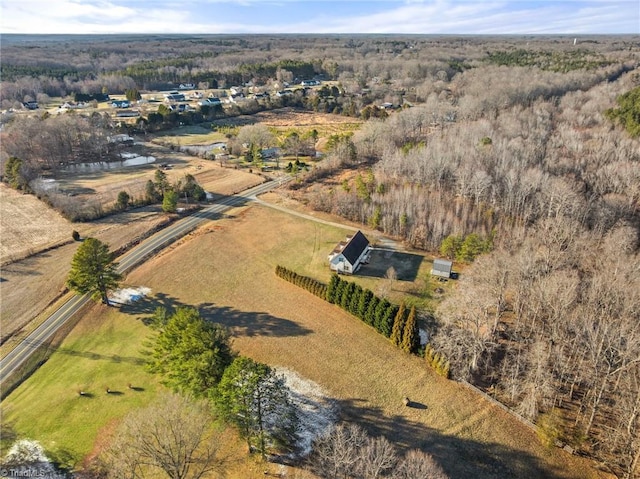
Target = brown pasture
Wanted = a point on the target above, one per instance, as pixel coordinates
(28, 225)
(226, 269)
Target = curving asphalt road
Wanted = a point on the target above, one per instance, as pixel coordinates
(21, 353)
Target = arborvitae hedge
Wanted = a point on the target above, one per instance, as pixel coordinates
(437, 361)
(398, 325)
(310, 284)
(375, 311)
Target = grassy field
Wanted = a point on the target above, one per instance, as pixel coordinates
(286, 119)
(104, 350)
(226, 270)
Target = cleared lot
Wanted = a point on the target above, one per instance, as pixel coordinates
(28, 225)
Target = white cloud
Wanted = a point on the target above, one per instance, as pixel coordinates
(391, 16)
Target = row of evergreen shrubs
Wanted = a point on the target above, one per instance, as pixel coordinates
(437, 361)
(362, 303)
(391, 320)
(312, 285)
(400, 326)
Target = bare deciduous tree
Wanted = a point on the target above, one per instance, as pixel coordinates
(173, 438)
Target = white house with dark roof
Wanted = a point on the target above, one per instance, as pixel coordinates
(349, 255)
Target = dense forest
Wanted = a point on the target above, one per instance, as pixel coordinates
(527, 144)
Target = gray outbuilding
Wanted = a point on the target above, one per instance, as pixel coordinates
(442, 268)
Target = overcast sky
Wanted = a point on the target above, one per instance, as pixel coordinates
(326, 16)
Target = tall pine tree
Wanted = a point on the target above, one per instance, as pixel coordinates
(93, 270)
(370, 314)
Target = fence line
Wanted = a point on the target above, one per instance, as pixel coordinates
(492, 400)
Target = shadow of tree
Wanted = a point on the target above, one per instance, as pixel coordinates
(406, 265)
(240, 323)
(25, 267)
(106, 357)
(243, 323)
(458, 456)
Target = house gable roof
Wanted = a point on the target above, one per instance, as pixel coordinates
(355, 247)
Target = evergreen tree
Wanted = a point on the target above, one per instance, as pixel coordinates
(381, 311)
(450, 246)
(14, 174)
(93, 270)
(253, 397)
(355, 300)
(150, 192)
(363, 303)
(123, 200)
(190, 353)
(387, 319)
(170, 201)
(370, 315)
(398, 325)
(411, 335)
(160, 181)
(347, 292)
(340, 286)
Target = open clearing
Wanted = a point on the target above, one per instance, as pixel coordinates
(227, 270)
(284, 118)
(34, 278)
(28, 225)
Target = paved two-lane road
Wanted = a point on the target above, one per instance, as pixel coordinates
(21, 353)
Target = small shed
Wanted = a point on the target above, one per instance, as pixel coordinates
(442, 268)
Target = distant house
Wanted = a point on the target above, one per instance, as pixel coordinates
(310, 82)
(212, 101)
(235, 97)
(127, 113)
(442, 268)
(269, 153)
(30, 105)
(121, 139)
(349, 255)
(172, 97)
(186, 86)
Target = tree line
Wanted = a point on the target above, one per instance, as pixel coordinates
(395, 322)
(544, 319)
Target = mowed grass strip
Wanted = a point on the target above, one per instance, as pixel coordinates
(227, 270)
(103, 351)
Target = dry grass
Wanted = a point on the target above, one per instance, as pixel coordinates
(29, 285)
(283, 119)
(28, 225)
(189, 135)
(230, 277)
(104, 187)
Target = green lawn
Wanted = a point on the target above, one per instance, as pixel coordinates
(48, 408)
